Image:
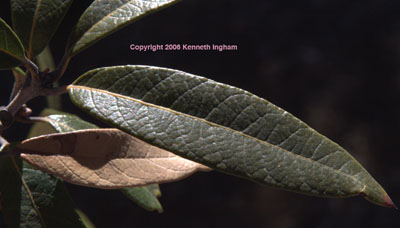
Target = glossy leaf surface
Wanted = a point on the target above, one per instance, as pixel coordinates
(36, 21)
(11, 49)
(225, 128)
(104, 17)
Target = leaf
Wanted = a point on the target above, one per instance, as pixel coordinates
(11, 49)
(155, 189)
(68, 123)
(10, 191)
(40, 200)
(52, 200)
(144, 197)
(85, 220)
(104, 17)
(105, 158)
(45, 204)
(36, 21)
(41, 128)
(224, 128)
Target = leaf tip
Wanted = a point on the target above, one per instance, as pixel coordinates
(381, 199)
(160, 210)
(389, 203)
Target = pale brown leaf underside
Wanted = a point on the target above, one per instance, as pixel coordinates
(105, 158)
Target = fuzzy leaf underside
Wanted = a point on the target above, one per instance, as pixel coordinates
(105, 158)
(11, 49)
(223, 127)
(48, 194)
(36, 21)
(104, 17)
(63, 123)
(46, 203)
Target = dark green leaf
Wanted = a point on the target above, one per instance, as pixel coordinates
(45, 204)
(51, 198)
(225, 128)
(104, 17)
(36, 21)
(11, 49)
(140, 195)
(10, 189)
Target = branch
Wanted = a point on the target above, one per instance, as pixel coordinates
(25, 94)
(33, 84)
(54, 91)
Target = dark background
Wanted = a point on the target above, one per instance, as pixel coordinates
(333, 64)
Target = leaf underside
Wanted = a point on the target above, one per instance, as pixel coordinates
(105, 158)
(46, 202)
(40, 200)
(63, 123)
(223, 127)
(104, 17)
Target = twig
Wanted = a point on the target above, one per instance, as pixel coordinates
(54, 91)
(34, 84)
(31, 66)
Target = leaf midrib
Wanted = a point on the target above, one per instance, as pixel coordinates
(99, 21)
(34, 19)
(11, 54)
(222, 127)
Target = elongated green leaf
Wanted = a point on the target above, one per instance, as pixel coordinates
(42, 201)
(51, 198)
(144, 197)
(11, 49)
(223, 127)
(63, 123)
(85, 220)
(36, 21)
(104, 17)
